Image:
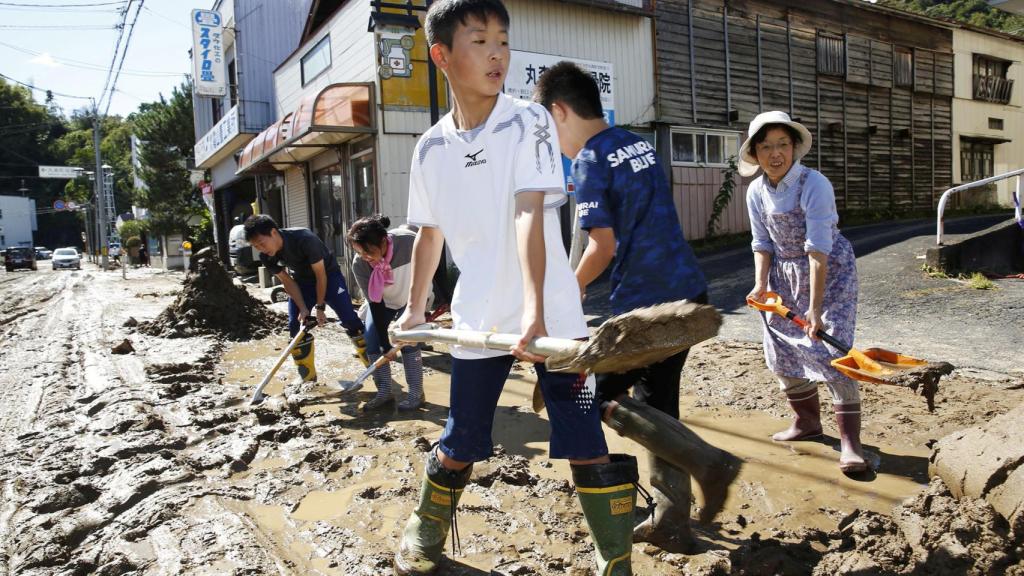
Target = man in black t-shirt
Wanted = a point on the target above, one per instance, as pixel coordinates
(310, 274)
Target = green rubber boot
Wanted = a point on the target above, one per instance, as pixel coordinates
(303, 356)
(427, 528)
(607, 494)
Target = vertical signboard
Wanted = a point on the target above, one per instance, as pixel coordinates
(208, 53)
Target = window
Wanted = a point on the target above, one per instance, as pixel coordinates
(990, 82)
(316, 60)
(995, 123)
(987, 66)
(703, 148)
(217, 107)
(903, 67)
(976, 160)
(232, 84)
(831, 55)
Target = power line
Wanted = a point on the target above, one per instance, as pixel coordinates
(117, 48)
(61, 5)
(55, 27)
(55, 93)
(169, 19)
(124, 55)
(89, 65)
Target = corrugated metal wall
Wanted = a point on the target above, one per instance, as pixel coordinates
(394, 154)
(694, 190)
(269, 32)
(296, 199)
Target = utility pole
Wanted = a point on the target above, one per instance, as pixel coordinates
(101, 211)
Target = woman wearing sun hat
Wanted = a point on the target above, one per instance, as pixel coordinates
(800, 254)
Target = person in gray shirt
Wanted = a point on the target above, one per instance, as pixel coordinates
(383, 270)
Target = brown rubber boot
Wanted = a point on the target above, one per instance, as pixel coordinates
(714, 469)
(807, 424)
(851, 457)
(668, 527)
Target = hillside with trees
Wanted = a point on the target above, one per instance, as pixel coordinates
(974, 12)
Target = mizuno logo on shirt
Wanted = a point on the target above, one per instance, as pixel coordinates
(473, 161)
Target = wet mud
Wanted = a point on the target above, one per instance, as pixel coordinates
(211, 303)
(642, 337)
(153, 463)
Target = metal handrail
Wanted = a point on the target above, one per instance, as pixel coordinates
(945, 195)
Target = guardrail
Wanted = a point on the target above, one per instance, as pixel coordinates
(945, 197)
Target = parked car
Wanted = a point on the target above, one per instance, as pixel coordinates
(43, 253)
(67, 258)
(240, 252)
(20, 257)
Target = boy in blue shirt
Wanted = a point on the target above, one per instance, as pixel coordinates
(625, 205)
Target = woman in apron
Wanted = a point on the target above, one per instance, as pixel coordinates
(800, 254)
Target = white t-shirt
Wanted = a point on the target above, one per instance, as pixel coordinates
(467, 189)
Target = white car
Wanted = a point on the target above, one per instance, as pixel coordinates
(67, 258)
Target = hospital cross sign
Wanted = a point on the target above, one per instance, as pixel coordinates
(208, 53)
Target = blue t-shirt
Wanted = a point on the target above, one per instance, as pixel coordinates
(619, 185)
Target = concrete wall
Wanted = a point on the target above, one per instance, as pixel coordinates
(971, 117)
(17, 221)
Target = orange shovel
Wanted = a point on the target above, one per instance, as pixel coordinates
(874, 365)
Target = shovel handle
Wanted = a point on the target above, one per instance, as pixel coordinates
(773, 303)
(544, 345)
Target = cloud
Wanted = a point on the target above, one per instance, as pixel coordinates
(45, 59)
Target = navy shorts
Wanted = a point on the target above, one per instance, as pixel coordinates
(575, 416)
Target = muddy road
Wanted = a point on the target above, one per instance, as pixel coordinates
(152, 462)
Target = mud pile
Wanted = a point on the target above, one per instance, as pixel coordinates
(210, 303)
(970, 520)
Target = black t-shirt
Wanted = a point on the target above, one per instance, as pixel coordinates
(301, 249)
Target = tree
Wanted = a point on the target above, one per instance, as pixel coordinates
(27, 130)
(975, 12)
(168, 136)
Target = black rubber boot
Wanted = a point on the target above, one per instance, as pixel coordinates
(668, 527)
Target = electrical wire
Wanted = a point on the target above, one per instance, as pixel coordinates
(117, 48)
(55, 27)
(55, 93)
(61, 5)
(124, 54)
(71, 63)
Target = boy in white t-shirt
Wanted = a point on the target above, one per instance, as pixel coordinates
(487, 179)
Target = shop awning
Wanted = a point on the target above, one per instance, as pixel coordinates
(324, 119)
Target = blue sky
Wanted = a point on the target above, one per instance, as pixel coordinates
(69, 50)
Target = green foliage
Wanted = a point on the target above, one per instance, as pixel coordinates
(723, 197)
(166, 130)
(76, 147)
(979, 281)
(133, 228)
(975, 12)
(133, 242)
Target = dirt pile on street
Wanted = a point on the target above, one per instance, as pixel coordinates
(970, 520)
(211, 303)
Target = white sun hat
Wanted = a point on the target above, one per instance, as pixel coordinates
(748, 165)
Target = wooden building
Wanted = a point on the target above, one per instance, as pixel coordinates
(873, 85)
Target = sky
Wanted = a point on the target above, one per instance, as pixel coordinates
(67, 45)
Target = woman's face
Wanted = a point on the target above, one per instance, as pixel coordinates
(371, 254)
(775, 153)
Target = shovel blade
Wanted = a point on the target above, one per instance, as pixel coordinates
(880, 367)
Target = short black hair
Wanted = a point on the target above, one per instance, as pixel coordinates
(259, 225)
(793, 133)
(369, 231)
(568, 83)
(444, 16)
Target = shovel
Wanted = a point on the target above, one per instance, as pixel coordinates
(257, 395)
(875, 365)
(347, 387)
(625, 342)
